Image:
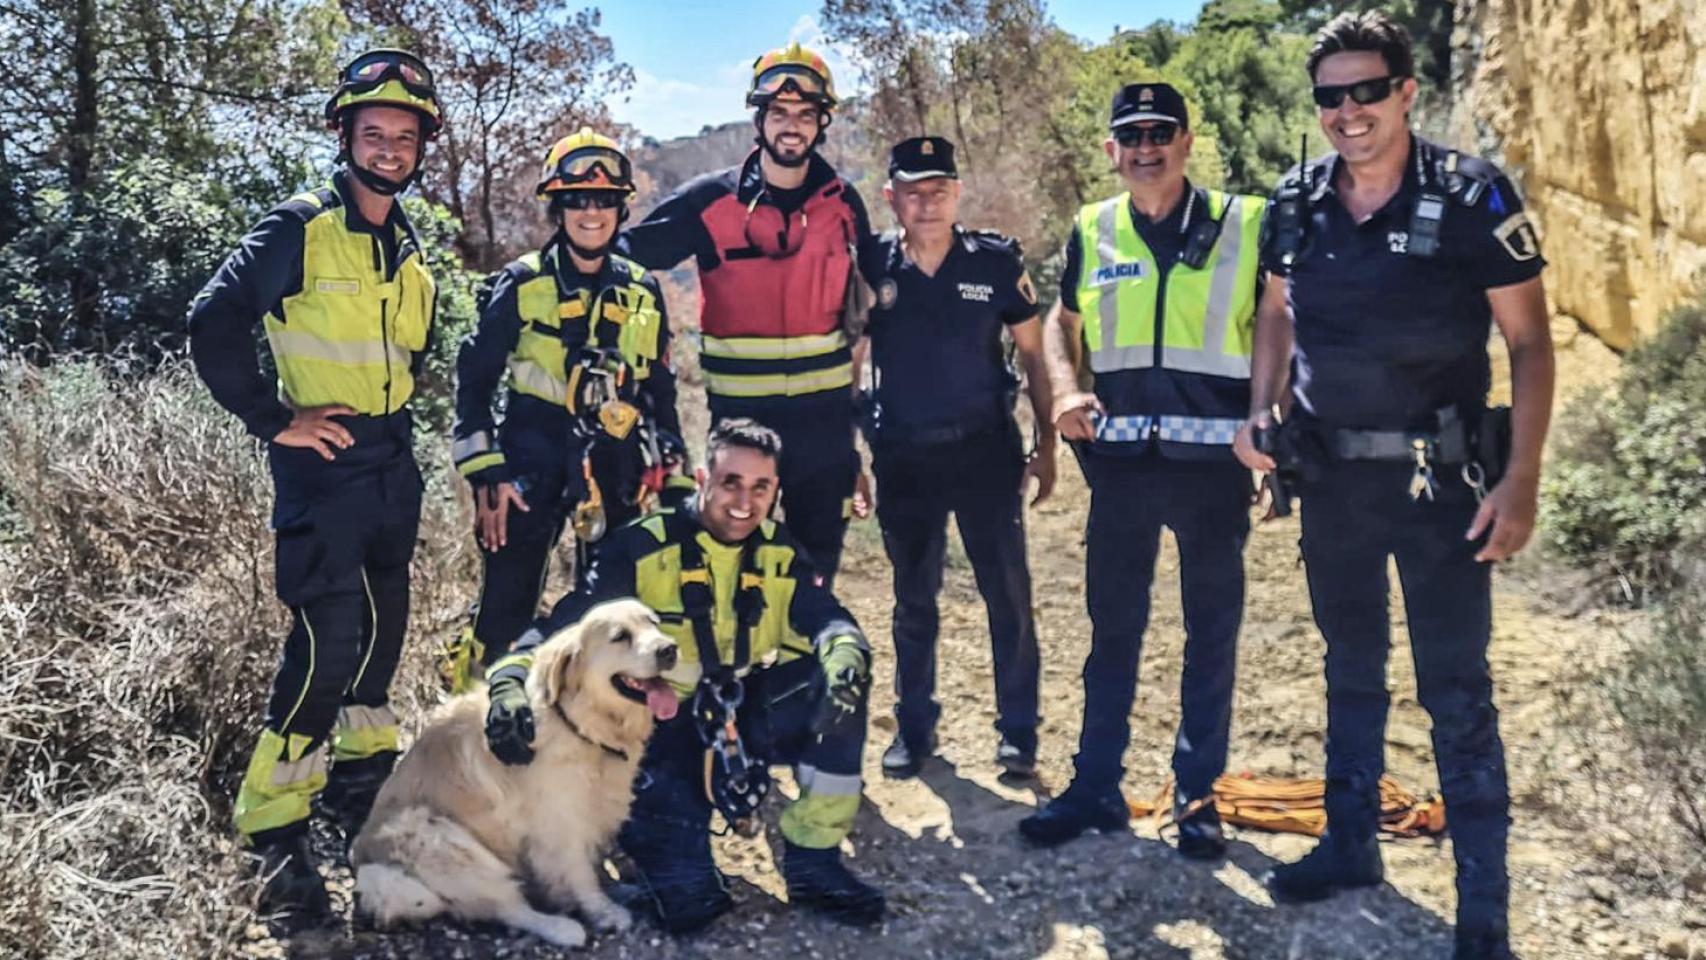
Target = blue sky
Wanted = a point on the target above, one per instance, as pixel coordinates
(690, 57)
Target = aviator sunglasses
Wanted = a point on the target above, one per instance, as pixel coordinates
(1365, 92)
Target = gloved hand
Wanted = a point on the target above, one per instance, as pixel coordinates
(509, 721)
(848, 668)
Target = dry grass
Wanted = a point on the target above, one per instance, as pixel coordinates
(136, 599)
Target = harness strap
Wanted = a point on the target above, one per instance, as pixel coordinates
(698, 603)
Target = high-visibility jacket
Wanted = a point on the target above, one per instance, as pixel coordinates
(346, 307)
(537, 320)
(1169, 344)
(644, 560)
(772, 324)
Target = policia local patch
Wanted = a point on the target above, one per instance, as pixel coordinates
(1518, 238)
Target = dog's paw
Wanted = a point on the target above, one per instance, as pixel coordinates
(562, 931)
(610, 918)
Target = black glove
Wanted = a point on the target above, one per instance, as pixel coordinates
(509, 722)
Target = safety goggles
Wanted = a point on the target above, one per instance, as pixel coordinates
(783, 78)
(589, 199)
(1332, 96)
(1161, 134)
(368, 72)
(592, 166)
(771, 233)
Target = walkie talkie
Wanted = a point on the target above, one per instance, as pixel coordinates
(1289, 209)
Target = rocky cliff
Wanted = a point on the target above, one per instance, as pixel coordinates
(1598, 108)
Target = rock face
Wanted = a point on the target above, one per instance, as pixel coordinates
(1598, 109)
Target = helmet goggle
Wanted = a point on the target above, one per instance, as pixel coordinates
(591, 168)
(790, 78)
(371, 70)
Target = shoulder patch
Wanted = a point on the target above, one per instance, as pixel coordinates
(1517, 235)
(992, 240)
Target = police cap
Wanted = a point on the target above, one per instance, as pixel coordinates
(1141, 102)
(922, 158)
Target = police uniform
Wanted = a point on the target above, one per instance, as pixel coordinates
(550, 326)
(775, 269)
(346, 307)
(1390, 380)
(756, 613)
(1168, 312)
(943, 439)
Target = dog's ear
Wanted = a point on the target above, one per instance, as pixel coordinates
(566, 648)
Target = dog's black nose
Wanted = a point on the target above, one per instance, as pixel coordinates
(666, 657)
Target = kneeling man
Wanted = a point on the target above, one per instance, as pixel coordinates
(776, 669)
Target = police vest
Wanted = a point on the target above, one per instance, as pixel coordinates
(622, 314)
(773, 326)
(1185, 323)
(660, 575)
(350, 334)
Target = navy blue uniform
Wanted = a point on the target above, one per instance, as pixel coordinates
(1202, 494)
(1385, 340)
(944, 440)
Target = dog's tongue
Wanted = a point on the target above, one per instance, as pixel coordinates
(661, 699)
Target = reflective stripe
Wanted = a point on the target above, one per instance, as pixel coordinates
(1213, 359)
(1109, 356)
(297, 344)
(1217, 431)
(531, 378)
(779, 384)
(364, 731)
(480, 441)
(372, 637)
(307, 678)
(773, 348)
(468, 468)
(300, 772)
(277, 791)
(813, 780)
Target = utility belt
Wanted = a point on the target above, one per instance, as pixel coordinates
(900, 435)
(1478, 446)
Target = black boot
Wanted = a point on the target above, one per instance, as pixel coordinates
(1073, 812)
(1017, 755)
(351, 788)
(819, 880)
(1332, 866)
(684, 891)
(294, 894)
(1200, 836)
(906, 755)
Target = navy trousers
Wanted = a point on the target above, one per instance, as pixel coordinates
(1206, 505)
(1355, 516)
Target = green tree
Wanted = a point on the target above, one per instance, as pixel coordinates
(1429, 23)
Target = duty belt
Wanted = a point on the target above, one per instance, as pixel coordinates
(1449, 445)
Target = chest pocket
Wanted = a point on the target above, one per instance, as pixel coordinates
(774, 634)
(635, 309)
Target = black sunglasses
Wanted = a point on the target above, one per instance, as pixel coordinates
(589, 199)
(1161, 135)
(1365, 92)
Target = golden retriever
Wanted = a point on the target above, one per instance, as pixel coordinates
(455, 831)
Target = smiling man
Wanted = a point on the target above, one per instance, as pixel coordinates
(1159, 291)
(776, 671)
(1391, 259)
(591, 397)
(338, 281)
(775, 240)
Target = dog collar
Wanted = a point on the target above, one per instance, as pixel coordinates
(607, 748)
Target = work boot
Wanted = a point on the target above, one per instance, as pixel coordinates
(351, 788)
(684, 890)
(1073, 812)
(294, 894)
(1017, 756)
(1200, 836)
(819, 880)
(1332, 866)
(905, 758)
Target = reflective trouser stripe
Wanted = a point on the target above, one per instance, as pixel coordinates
(372, 631)
(532, 379)
(823, 815)
(779, 384)
(281, 781)
(364, 731)
(307, 677)
(1204, 430)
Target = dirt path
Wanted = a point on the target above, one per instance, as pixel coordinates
(960, 882)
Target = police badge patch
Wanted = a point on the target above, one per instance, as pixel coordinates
(1026, 288)
(1518, 238)
(887, 293)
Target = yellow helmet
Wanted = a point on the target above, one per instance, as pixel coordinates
(387, 77)
(585, 160)
(791, 73)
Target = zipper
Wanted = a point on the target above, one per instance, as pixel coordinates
(385, 341)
